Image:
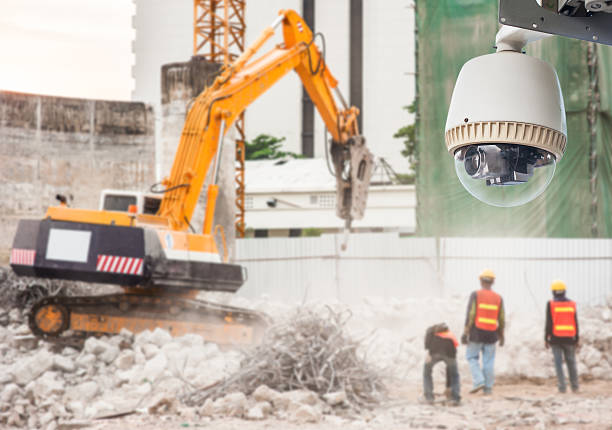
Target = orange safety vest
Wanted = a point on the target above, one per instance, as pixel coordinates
(563, 318)
(487, 310)
(448, 335)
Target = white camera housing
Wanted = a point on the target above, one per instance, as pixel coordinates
(506, 106)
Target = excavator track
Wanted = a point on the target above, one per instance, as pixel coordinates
(69, 320)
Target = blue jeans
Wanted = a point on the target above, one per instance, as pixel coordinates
(569, 353)
(452, 377)
(484, 375)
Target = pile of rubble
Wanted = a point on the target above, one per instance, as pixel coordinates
(45, 384)
(308, 352)
(22, 292)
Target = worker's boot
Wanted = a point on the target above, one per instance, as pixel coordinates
(477, 388)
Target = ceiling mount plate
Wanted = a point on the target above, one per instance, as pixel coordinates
(530, 15)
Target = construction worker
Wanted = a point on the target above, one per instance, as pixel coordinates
(562, 334)
(441, 345)
(484, 326)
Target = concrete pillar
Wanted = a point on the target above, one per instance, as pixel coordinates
(181, 83)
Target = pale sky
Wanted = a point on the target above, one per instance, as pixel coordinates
(72, 48)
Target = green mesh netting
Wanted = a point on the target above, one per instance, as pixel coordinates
(450, 32)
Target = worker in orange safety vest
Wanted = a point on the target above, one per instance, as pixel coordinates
(484, 326)
(562, 334)
(441, 345)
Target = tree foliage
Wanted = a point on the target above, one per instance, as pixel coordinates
(408, 134)
(266, 147)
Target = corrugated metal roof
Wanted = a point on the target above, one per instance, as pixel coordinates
(296, 175)
(288, 175)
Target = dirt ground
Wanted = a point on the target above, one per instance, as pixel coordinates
(524, 405)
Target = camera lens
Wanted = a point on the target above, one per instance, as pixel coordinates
(472, 160)
(504, 174)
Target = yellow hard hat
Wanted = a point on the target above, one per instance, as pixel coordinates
(558, 286)
(487, 274)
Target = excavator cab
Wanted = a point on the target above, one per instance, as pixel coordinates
(130, 202)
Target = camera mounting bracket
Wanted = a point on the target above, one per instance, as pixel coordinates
(530, 15)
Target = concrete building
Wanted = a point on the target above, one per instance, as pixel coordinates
(75, 147)
(297, 197)
(365, 41)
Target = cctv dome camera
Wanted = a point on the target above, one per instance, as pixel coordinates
(506, 127)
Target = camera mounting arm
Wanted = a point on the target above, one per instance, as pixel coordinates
(515, 39)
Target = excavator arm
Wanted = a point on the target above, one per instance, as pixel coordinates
(216, 108)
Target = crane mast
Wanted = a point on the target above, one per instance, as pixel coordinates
(218, 36)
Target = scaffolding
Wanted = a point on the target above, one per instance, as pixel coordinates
(218, 36)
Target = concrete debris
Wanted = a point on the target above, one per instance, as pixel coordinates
(305, 414)
(83, 392)
(154, 368)
(232, 405)
(95, 346)
(162, 404)
(335, 399)
(109, 354)
(46, 385)
(63, 363)
(125, 360)
(31, 368)
(255, 413)
(263, 393)
(8, 393)
(160, 337)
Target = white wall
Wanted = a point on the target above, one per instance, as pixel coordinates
(164, 34)
(279, 111)
(291, 269)
(390, 207)
(388, 71)
(332, 19)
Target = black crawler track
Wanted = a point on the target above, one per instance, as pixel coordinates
(167, 308)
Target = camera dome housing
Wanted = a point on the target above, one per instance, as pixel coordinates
(506, 127)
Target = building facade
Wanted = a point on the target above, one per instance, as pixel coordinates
(297, 197)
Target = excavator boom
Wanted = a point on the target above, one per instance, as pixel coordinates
(216, 109)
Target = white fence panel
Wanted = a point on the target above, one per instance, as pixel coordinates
(298, 269)
(385, 265)
(525, 267)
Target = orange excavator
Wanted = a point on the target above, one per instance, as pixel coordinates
(155, 257)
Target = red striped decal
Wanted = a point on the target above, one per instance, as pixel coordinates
(23, 257)
(122, 264)
(107, 263)
(119, 264)
(101, 261)
(128, 264)
(114, 265)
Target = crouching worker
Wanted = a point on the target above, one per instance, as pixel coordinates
(441, 345)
